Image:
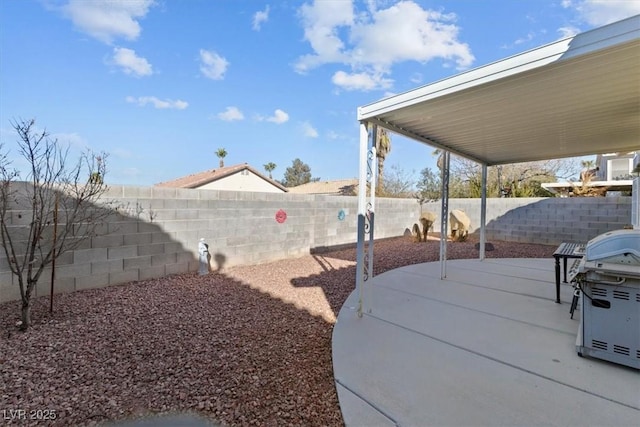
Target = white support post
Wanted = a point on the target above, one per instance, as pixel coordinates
(483, 211)
(372, 174)
(444, 223)
(362, 209)
(366, 208)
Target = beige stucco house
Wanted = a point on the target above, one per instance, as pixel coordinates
(240, 177)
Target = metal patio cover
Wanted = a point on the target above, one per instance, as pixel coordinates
(578, 96)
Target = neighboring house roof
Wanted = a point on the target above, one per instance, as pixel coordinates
(200, 179)
(340, 187)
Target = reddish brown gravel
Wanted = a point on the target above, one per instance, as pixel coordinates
(247, 346)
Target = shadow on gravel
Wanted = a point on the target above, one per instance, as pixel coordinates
(207, 345)
(336, 285)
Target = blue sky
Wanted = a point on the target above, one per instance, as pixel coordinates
(160, 85)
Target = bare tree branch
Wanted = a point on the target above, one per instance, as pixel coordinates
(54, 190)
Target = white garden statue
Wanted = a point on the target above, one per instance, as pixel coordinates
(203, 251)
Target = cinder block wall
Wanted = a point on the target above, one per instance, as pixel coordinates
(544, 220)
(156, 230)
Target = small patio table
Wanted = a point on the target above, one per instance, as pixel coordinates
(566, 251)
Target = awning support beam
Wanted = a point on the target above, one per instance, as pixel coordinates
(366, 209)
(444, 214)
(483, 211)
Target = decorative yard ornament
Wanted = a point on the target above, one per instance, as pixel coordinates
(203, 251)
(281, 216)
(426, 219)
(460, 225)
(341, 215)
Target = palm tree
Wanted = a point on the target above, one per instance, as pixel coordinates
(587, 164)
(383, 147)
(221, 153)
(588, 170)
(269, 167)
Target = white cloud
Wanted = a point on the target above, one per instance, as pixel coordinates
(131, 63)
(333, 135)
(406, 32)
(308, 130)
(122, 153)
(231, 114)
(278, 117)
(371, 41)
(158, 103)
(107, 20)
(72, 139)
(566, 32)
(602, 12)
(321, 21)
(360, 81)
(212, 65)
(530, 36)
(259, 18)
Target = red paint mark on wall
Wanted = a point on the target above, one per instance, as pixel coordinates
(281, 216)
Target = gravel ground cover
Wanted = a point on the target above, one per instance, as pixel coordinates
(247, 346)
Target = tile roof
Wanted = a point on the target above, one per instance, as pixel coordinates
(199, 179)
(340, 187)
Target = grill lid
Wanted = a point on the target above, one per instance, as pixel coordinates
(618, 247)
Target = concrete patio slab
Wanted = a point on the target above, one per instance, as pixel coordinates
(485, 346)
